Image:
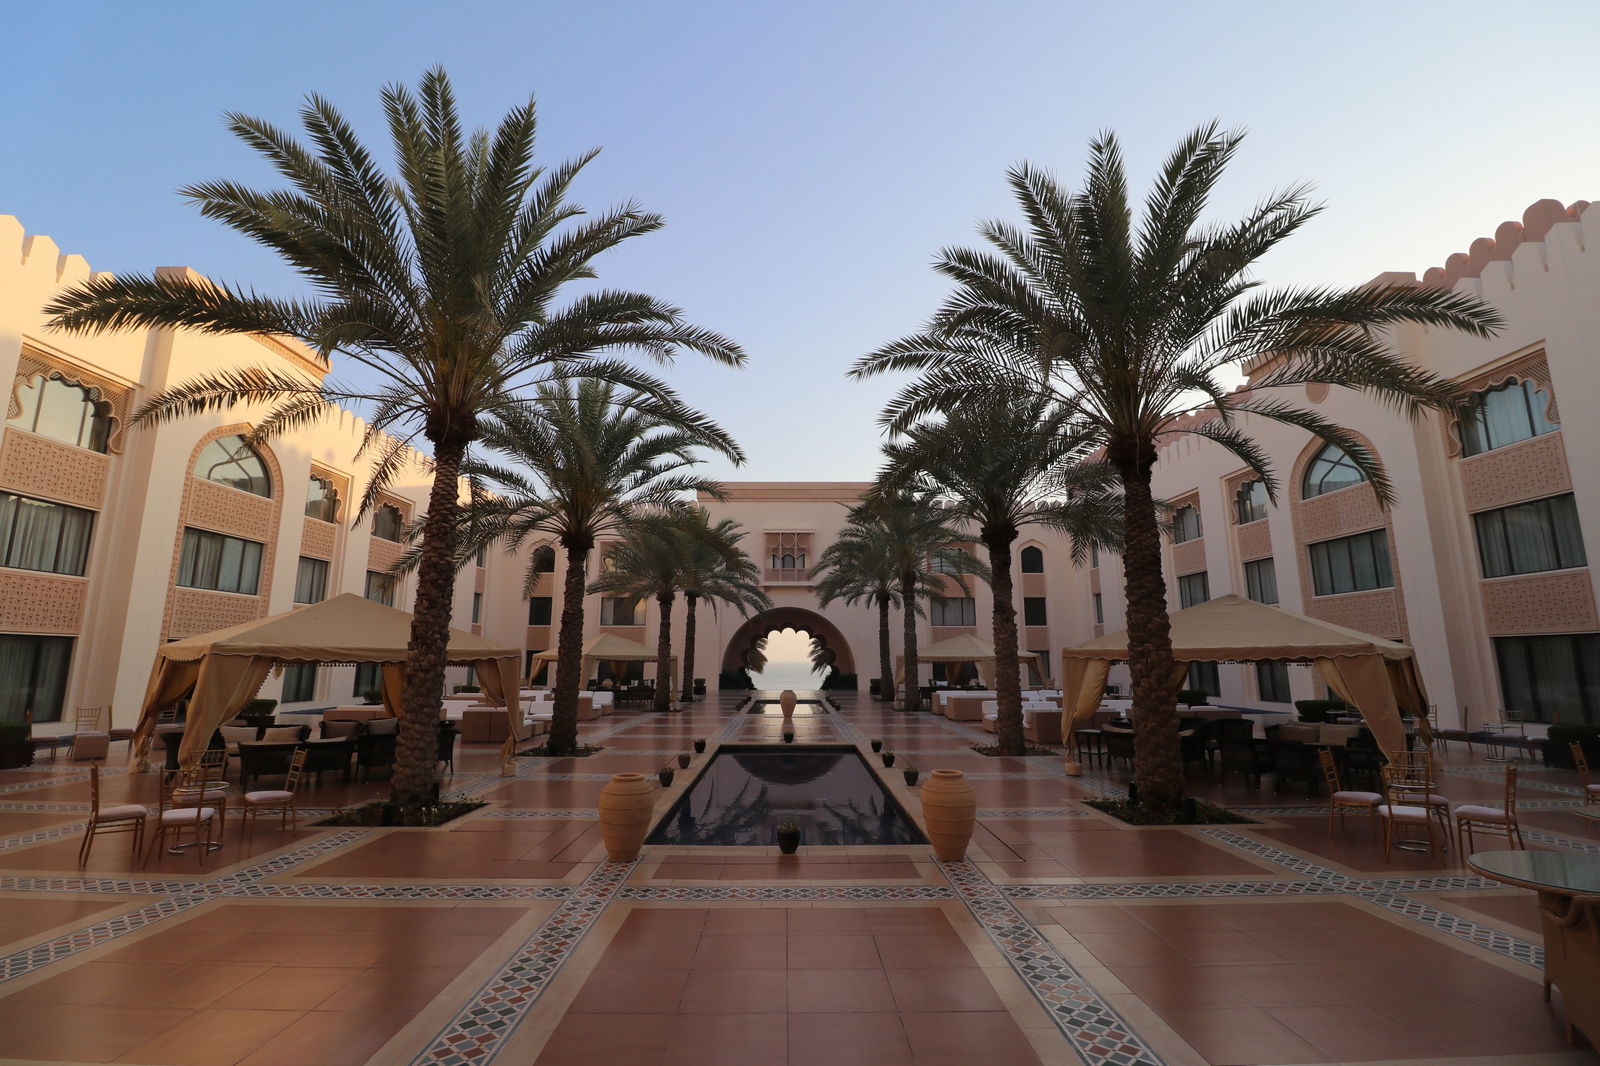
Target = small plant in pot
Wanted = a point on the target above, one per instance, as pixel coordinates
(888, 758)
(666, 774)
(788, 736)
(877, 744)
(699, 745)
(788, 838)
(683, 761)
(911, 773)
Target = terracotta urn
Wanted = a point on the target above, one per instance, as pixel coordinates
(787, 700)
(625, 807)
(949, 811)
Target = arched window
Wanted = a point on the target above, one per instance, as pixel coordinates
(544, 559)
(230, 461)
(1032, 560)
(1186, 525)
(322, 499)
(1504, 415)
(65, 412)
(800, 561)
(777, 560)
(1251, 501)
(1330, 471)
(387, 522)
(788, 562)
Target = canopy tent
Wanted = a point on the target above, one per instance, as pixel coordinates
(965, 648)
(225, 668)
(610, 648)
(1376, 675)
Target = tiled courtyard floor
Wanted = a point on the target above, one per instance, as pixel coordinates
(506, 938)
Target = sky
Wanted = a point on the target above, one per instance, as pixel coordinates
(810, 159)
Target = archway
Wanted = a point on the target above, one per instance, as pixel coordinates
(740, 652)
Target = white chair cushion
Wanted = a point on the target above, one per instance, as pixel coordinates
(188, 815)
(1592, 789)
(215, 791)
(1371, 798)
(1434, 799)
(1403, 814)
(233, 734)
(268, 796)
(124, 812)
(1480, 814)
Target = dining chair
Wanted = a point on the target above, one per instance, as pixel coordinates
(208, 775)
(1395, 815)
(125, 818)
(1498, 821)
(1341, 799)
(279, 800)
(1413, 771)
(88, 740)
(1591, 791)
(183, 809)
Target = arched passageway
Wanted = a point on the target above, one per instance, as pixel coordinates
(738, 654)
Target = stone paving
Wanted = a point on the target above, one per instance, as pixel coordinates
(506, 937)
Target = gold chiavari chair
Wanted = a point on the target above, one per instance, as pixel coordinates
(1499, 821)
(126, 818)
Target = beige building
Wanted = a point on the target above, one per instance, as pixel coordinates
(115, 539)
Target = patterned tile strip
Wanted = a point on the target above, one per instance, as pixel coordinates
(28, 960)
(782, 893)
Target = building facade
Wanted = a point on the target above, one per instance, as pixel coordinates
(115, 538)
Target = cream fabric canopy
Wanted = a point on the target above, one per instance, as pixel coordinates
(225, 668)
(1379, 676)
(608, 647)
(963, 649)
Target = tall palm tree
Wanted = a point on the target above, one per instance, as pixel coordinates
(579, 463)
(924, 547)
(1124, 322)
(858, 568)
(442, 281)
(650, 562)
(1006, 460)
(718, 571)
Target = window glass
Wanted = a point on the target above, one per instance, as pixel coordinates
(1504, 415)
(387, 522)
(949, 561)
(1032, 560)
(33, 676)
(1099, 610)
(322, 498)
(39, 535)
(380, 588)
(1261, 580)
(222, 564)
(1530, 537)
(539, 611)
(1551, 676)
(1351, 564)
(299, 683)
(1330, 471)
(1033, 611)
(231, 462)
(544, 559)
(1204, 677)
(480, 559)
(955, 611)
(369, 678)
(63, 411)
(621, 611)
(311, 581)
(1186, 525)
(1193, 589)
(477, 607)
(1272, 682)
(1251, 501)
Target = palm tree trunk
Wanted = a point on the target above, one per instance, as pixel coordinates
(663, 701)
(563, 738)
(1007, 670)
(417, 747)
(690, 600)
(1158, 762)
(908, 597)
(885, 660)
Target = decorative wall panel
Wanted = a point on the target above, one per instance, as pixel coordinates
(539, 638)
(317, 538)
(38, 466)
(1526, 470)
(201, 610)
(231, 511)
(382, 555)
(1559, 602)
(1376, 612)
(41, 603)
(1189, 556)
(1338, 514)
(1255, 540)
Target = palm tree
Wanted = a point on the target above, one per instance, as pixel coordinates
(650, 562)
(857, 568)
(441, 281)
(580, 463)
(717, 571)
(923, 548)
(1124, 323)
(1004, 461)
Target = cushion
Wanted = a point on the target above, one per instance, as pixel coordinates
(1358, 797)
(1480, 814)
(383, 727)
(1434, 799)
(339, 730)
(188, 815)
(1403, 814)
(1336, 734)
(1305, 734)
(1592, 788)
(233, 734)
(218, 791)
(283, 734)
(123, 813)
(268, 796)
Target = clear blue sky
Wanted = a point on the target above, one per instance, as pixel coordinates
(810, 158)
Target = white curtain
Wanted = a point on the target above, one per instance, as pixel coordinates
(36, 535)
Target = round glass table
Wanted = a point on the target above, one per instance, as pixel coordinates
(1557, 873)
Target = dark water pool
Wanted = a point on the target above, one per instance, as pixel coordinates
(746, 792)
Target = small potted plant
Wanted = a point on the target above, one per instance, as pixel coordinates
(788, 838)
(666, 774)
(700, 745)
(877, 743)
(911, 776)
(888, 758)
(788, 736)
(683, 761)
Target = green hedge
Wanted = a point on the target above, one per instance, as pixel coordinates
(16, 745)
(1558, 745)
(1318, 710)
(1192, 697)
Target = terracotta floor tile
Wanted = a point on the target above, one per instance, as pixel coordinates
(746, 921)
(1241, 1035)
(92, 982)
(839, 992)
(825, 952)
(735, 992)
(631, 991)
(606, 1039)
(908, 920)
(740, 953)
(849, 1040)
(390, 988)
(937, 989)
(658, 951)
(329, 1038)
(958, 1039)
(79, 1033)
(1085, 919)
(208, 1037)
(289, 988)
(1132, 949)
(728, 1040)
(680, 920)
(827, 920)
(914, 950)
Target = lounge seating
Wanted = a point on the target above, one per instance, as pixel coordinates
(264, 758)
(333, 753)
(488, 725)
(376, 747)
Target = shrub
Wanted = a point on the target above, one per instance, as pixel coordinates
(1558, 745)
(468, 688)
(16, 745)
(1192, 697)
(373, 696)
(259, 707)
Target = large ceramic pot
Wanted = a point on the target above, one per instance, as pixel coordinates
(625, 806)
(949, 810)
(787, 699)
